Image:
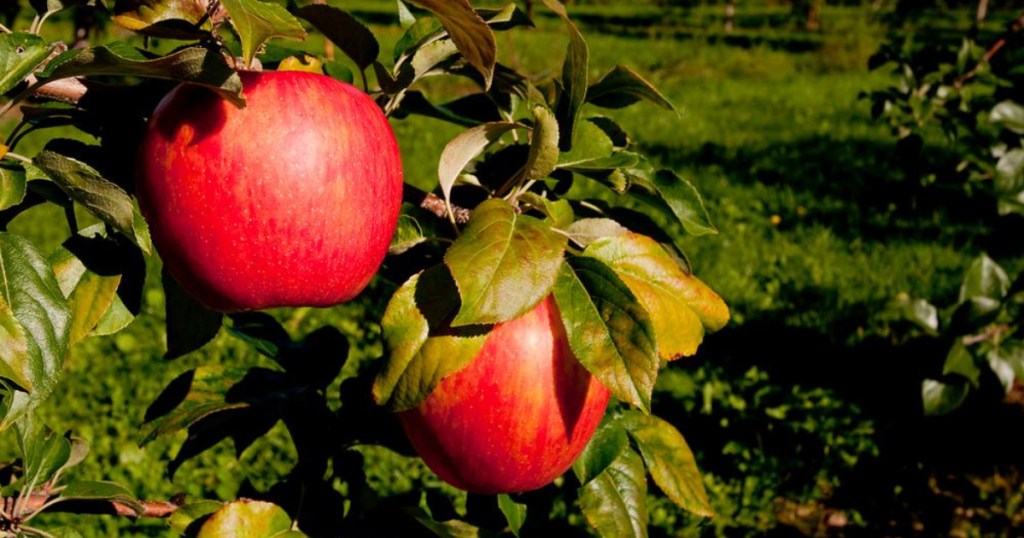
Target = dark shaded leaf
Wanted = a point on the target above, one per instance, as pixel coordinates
(86, 186)
(191, 397)
(503, 264)
(256, 22)
(421, 349)
(90, 284)
(35, 327)
(20, 54)
(680, 197)
(350, 35)
(465, 147)
(187, 519)
(574, 78)
(615, 502)
(941, 397)
(622, 87)
(669, 460)
(96, 490)
(608, 330)
(190, 325)
(960, 361)
(607, 444)
(470, 34)
(194, 65)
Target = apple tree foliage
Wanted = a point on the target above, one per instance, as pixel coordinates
(540, 194)
(968, 94)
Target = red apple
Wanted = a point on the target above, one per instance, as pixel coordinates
(290, 201)
(516, 417)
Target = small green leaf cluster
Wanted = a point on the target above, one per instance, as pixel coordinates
(984, 327)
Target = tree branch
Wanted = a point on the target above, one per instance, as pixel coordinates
(434, 204)
(150, 509)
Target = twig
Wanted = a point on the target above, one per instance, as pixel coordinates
(150, 509)
(434, 204)
(1015, 27)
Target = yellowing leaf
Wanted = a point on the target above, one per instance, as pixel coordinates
(680, 305)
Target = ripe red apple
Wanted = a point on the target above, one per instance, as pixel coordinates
(516, 417)
(290, 201)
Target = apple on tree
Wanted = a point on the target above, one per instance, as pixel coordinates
(290, 201)
(517, 416)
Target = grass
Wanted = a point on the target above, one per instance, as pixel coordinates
(819, 232)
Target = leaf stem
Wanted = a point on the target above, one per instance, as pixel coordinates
(5, 29)
(16, 157)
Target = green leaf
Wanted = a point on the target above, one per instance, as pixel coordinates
(543, 154)
(622, 87)
(90, 291)
(921, 313)
(190, 325)
(43, 452)
(941, 398)
(609, 332)
(515, 513)
(191, 397)
(607, 444)
(194, 65)
(615, 502)
(558, 213)
(174, 19)
(247, 518)
(585, 231)
(574, 78)
(960, 361)
(98, 490)
(669, 460)
(256, 22)
(85, 185)
(420, 348)
(470, 33)
(20, 54)
(985, 278)
(680, 305)
(186, 517)
(12, 185)
(53, 6)
(590, 143)
(465, 147)
(35, 326)
(1008, 115)
(681, 198)
(408, 234)
(1006, 365)
(1008, 179)
(350, 35)
(503, 264)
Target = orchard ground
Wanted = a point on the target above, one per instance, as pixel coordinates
(805, 411)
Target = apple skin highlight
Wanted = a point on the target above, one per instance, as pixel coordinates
(290, 201)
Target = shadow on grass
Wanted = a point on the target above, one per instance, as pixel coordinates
(875, 382)
(861, 189)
